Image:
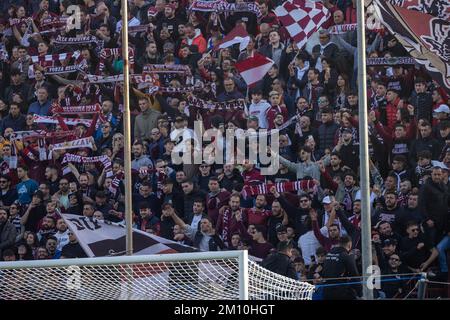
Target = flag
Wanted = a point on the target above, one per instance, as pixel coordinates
(302, 18)
(254, 68)
(237, 35)
(425, 37)
(437, 8)
(99, 238)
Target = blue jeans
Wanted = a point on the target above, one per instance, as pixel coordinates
(442, 247)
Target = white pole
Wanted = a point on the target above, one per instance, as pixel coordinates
(243, 275)
(127, 130)
(364, 153)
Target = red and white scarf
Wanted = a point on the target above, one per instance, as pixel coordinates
(115, 53)
(229, 105)
(104, 160)
(55, 57)
(264, 188)
(68, 121)
(74, 144)
(83, 109)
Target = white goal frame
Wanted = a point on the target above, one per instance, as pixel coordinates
(256, 281)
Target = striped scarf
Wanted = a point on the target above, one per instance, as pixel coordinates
(264, 188)
(69, 157)
(115, 53)
(55, 57)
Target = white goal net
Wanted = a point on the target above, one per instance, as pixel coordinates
(188, 276)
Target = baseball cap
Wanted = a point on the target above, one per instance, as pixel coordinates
(253, 118)
(442, 108)
(326, 200)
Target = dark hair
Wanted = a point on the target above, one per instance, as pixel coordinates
(411, 223)
(344, 240)
(23, 167)
(284, 246)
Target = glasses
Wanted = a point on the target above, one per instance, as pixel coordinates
(415, 230)
(3, 181)
(304, 200)
(155, 133)
(204, 167)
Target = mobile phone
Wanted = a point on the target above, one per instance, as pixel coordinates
(313, 258)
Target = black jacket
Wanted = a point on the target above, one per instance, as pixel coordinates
(7, 236)
(327, 132)
(280, 263)
(434, 201)
(296, 216)
(339, 264)
(189, 203)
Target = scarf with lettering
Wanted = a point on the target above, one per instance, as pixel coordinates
(390, 61)
(226, 218)
(227, 106)
(166, 68)
(224, 6)
(41, 134)
(83, 109)
(61, 41)
(289, 186)
(116, 182)
(74, 144)
(104, 160)
(155, 89)
(68, 121)
(53, 22)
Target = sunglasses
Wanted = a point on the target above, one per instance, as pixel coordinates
(3, 181)
(302, 201)
(415, 230)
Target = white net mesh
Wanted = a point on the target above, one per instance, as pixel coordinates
(216, 279)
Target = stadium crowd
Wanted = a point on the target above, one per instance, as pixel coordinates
(219, 206)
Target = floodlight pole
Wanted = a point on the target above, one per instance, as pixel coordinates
(366, 251)
(127, 131)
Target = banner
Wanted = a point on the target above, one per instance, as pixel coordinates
(74, 144)
(437, 8)
(425, 37)
(100, 238)
(41, 134)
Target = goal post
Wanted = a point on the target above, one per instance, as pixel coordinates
(221, 275)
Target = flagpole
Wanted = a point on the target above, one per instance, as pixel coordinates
(364, 154)
(127, 131)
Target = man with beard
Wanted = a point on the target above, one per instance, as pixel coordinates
(231, 219)
(47, 229)
(34, 213)
(345, 191)
(73, 249)
(215, 199)
(51, 175)
(390, 212)
(140, 159)
(7, 194)
(340, 264)
(62, 195)
(147, 219)
(258, 215)
(278, 219)
(348, 150)
(190, 194)
(411, 212)
(61, 234)
(296, 216)
(146, 195)
(7, 232)
(230, 177)
(434, 201)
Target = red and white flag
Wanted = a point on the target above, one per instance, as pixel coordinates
(237, 35)
(254, 68)
(302, 18)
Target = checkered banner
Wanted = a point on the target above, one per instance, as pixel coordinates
(302, 18)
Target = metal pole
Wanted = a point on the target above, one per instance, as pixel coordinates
(127, 130)
(422, 289)
(243, 275)
(364, 152)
